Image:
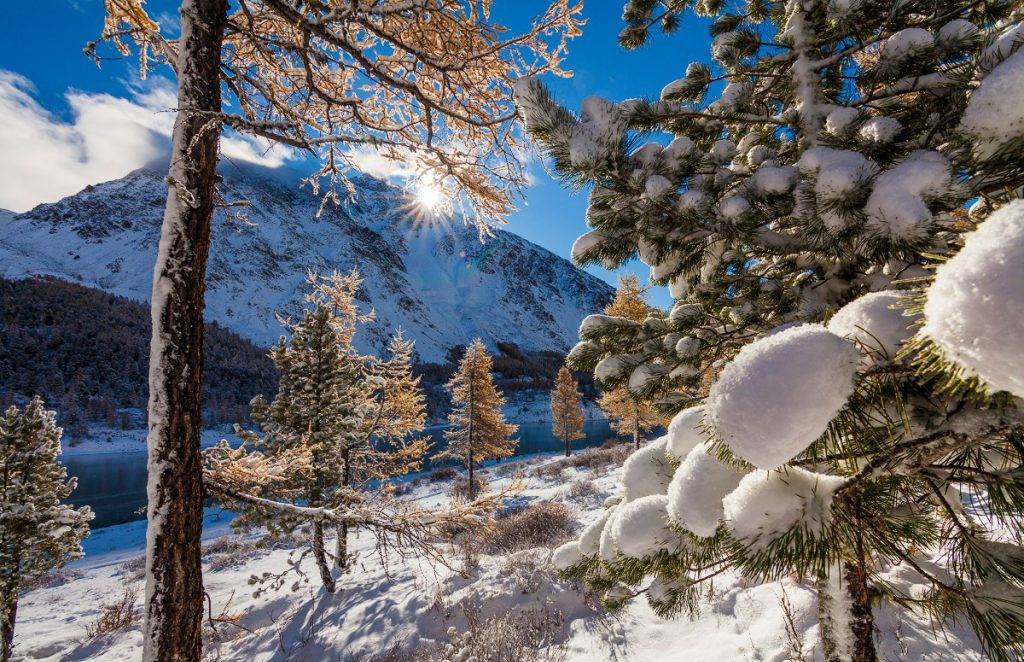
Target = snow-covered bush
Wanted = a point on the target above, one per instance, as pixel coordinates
(824, 184)
(38, 531)
(541, 525)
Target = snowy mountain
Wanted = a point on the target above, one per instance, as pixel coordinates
(435, 281)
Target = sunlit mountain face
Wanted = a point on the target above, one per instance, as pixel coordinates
(424, 272)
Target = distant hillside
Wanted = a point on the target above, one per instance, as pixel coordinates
(87, 353)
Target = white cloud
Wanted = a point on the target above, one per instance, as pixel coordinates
(379, 164)
(43, 158)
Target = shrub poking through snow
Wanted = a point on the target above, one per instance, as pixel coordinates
(115, 615)
(460, 487)
(794, 202)
(542, 525)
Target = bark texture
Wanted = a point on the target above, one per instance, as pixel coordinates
(320, 554)
(10, 608)
(844, 615)
(862, 621)
(174, 586)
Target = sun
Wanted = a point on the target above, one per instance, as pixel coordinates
(429, 197)
(427, 202)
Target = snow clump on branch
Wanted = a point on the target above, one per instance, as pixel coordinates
(647, 471)
(684, 432)
(780, 392)
(641, 527)
(768, 504)
(975, 307)
(697, 489)
(995, 110)
(875, 320)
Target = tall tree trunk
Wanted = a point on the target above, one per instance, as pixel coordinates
(567, 442)
(320, 555)
(469, 445)
(174, 585)
(9, 598)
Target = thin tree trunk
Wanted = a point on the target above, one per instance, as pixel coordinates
(862, 620)
(831, 617)
(568, 443)
(844, 615)
(341, 548)
(341, 542)
(174, 586)
(469, 445)
(320, 554)
(7, 619)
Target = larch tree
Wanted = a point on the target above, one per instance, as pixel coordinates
(840, 355)
(628, 415)
(37, 531)
(349, 418)
(630, 412)
(425, 81)
(394, 405)
(566, 409)
(478, 429)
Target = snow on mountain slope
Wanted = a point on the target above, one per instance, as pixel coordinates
(435, 281)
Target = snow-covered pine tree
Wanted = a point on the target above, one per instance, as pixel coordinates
(566, 409)
(387, 445)
(478, 429)
(819, 184)
(317, 411)
(37, 531)
(628, 407)
(339, 421)
(331, 84)
(394, 407)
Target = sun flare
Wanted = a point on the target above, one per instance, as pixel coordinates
(429, 197)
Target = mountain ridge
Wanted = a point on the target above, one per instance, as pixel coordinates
(436, 281)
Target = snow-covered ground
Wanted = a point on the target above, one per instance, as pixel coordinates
(103, 439)
(413, 602)
(532, 406)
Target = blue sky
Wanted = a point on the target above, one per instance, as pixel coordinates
(43, 41)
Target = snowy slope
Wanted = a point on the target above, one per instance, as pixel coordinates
(414, 602)
(436, 281)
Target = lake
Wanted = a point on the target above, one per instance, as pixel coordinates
(114, 484)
